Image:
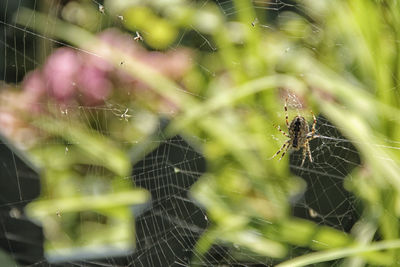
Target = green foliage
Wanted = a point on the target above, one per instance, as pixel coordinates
(6, 260)
(71, 195)
(160, 33)
(353, 81)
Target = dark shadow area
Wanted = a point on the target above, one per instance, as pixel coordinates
(17, 48)
(325, 200)
(19, 184)
(167, 232)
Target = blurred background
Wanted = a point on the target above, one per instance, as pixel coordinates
(143, 133)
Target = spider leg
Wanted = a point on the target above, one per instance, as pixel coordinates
(279, 129)
(313, 125)
(287, 148)
(306, 150)
(311, 135)
(282, 148)
(304, 156)
(286, 114)
(309, 152)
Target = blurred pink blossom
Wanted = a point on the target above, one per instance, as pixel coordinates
(34, 84)
(9, 123)
(94, 85)
(73, 77)
(60, 73)
(173, 64)
(34, 90)
(13, 125)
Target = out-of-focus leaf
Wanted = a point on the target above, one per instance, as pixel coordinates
(45, 207)
(6, 260)
(158, 32)
(90, 142)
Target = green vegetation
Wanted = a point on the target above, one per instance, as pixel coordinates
(353, 81)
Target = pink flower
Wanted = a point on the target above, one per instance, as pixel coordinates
(34, 90)
(12, 124)
(94, 85)
(60, 72)
(9, 123)
(34, 85)
(123, 42)
(71, 76)
(173, 64)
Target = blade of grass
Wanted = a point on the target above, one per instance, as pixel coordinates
(227, 98)
(91, 143)
(132, 197)
(335, 254)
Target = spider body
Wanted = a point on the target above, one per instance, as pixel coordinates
(298, 130)
(299, 136)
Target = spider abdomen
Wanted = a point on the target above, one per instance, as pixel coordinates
(298, 131)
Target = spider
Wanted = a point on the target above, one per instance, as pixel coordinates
(299, 136)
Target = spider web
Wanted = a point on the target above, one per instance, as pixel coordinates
(326, 201)
(168, 229)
